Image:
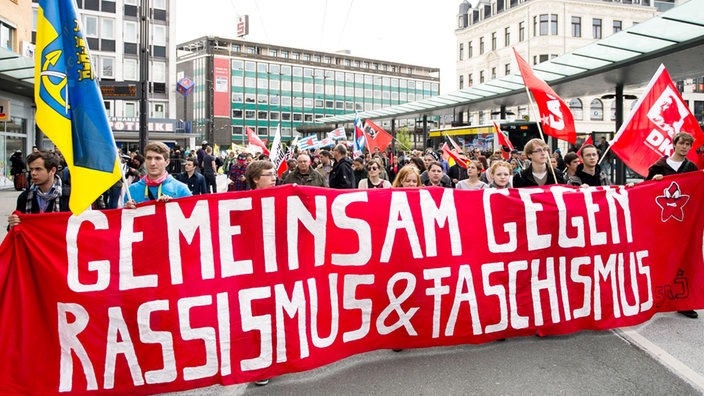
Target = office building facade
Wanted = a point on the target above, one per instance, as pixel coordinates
(242, 84)
(541, 30)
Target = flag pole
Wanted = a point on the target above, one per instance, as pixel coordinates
(540, 128)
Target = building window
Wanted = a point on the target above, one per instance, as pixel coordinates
(90, 24)
(107, 67)
(493, 41)
(553, 24)
(576, 108)
(521, 31)
(159, 35)
(7, 36)
(158, 72)
(596, 28)
(469, 50)
(481, 45)
(129, 70)
(273, 52)
(544, 18)
(470, 82)
(461, 81)
(507, 69)
(130, 110)
(158, 110)
(576, 26)
(618, 26)
(493, 73)
(159, 4)
(507, 37)
(107, 30)
(481, 77)
(596, 110)
(130, 33)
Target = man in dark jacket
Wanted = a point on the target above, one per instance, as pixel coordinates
(341, 175)
(45, 194)
(670, 165)
(194, 180)
(589, 173)
(538, 173)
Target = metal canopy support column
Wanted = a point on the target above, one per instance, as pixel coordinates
(143, 74)
(425, 131)
(620, 166)
(393, 133)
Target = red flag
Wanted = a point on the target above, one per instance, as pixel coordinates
(586, 142)
(454, 156)
(253, 139)
(555, 115)
(376, 136)
(646, 136)
(503, 140)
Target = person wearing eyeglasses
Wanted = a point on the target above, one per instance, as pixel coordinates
(538, 173)
(373, 179)
(589, 173)
(260, 174)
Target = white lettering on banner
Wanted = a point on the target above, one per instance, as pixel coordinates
(359, 226)
(535, 241)
(178, 224)
(441, 215)
(117, 329)
(509, 228)
(548, 284)
(564, 240)
(317, 226)
(269, 234)
(350, 302)
(128, 280)
(69, 342)
(207, 334)
(517, 321)
(400, 217)
(230, 266)
(495, 290)
(464, 282)
(437, 291)
(319, 341)
(101, 267)
(295, 305)
(149, 336)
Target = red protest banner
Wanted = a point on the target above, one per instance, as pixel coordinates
(646, 136)
(234, 287)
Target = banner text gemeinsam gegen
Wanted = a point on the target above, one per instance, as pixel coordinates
(230, 288)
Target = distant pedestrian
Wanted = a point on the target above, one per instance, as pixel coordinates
(195, 181)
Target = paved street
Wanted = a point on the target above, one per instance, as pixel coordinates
(660, 357)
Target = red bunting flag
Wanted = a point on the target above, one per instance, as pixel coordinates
(376, 136)
(589, 140)
(555, 116)
(446, 150)
(646, 136)
(254, 140)
(503, 140)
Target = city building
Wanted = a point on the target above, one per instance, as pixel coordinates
(541, 30)
(242, 84)
(16, 83)
(112, 30)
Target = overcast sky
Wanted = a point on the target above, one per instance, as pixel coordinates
(419, 32)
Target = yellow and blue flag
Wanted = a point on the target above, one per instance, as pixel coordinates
(70, 108)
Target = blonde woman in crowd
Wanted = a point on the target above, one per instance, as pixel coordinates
(500, 173)
(408, 176)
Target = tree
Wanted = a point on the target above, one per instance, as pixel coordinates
(403, 139)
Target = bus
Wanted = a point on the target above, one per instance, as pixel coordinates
(482, 136)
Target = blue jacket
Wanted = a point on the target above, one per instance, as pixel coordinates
(170, 187)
